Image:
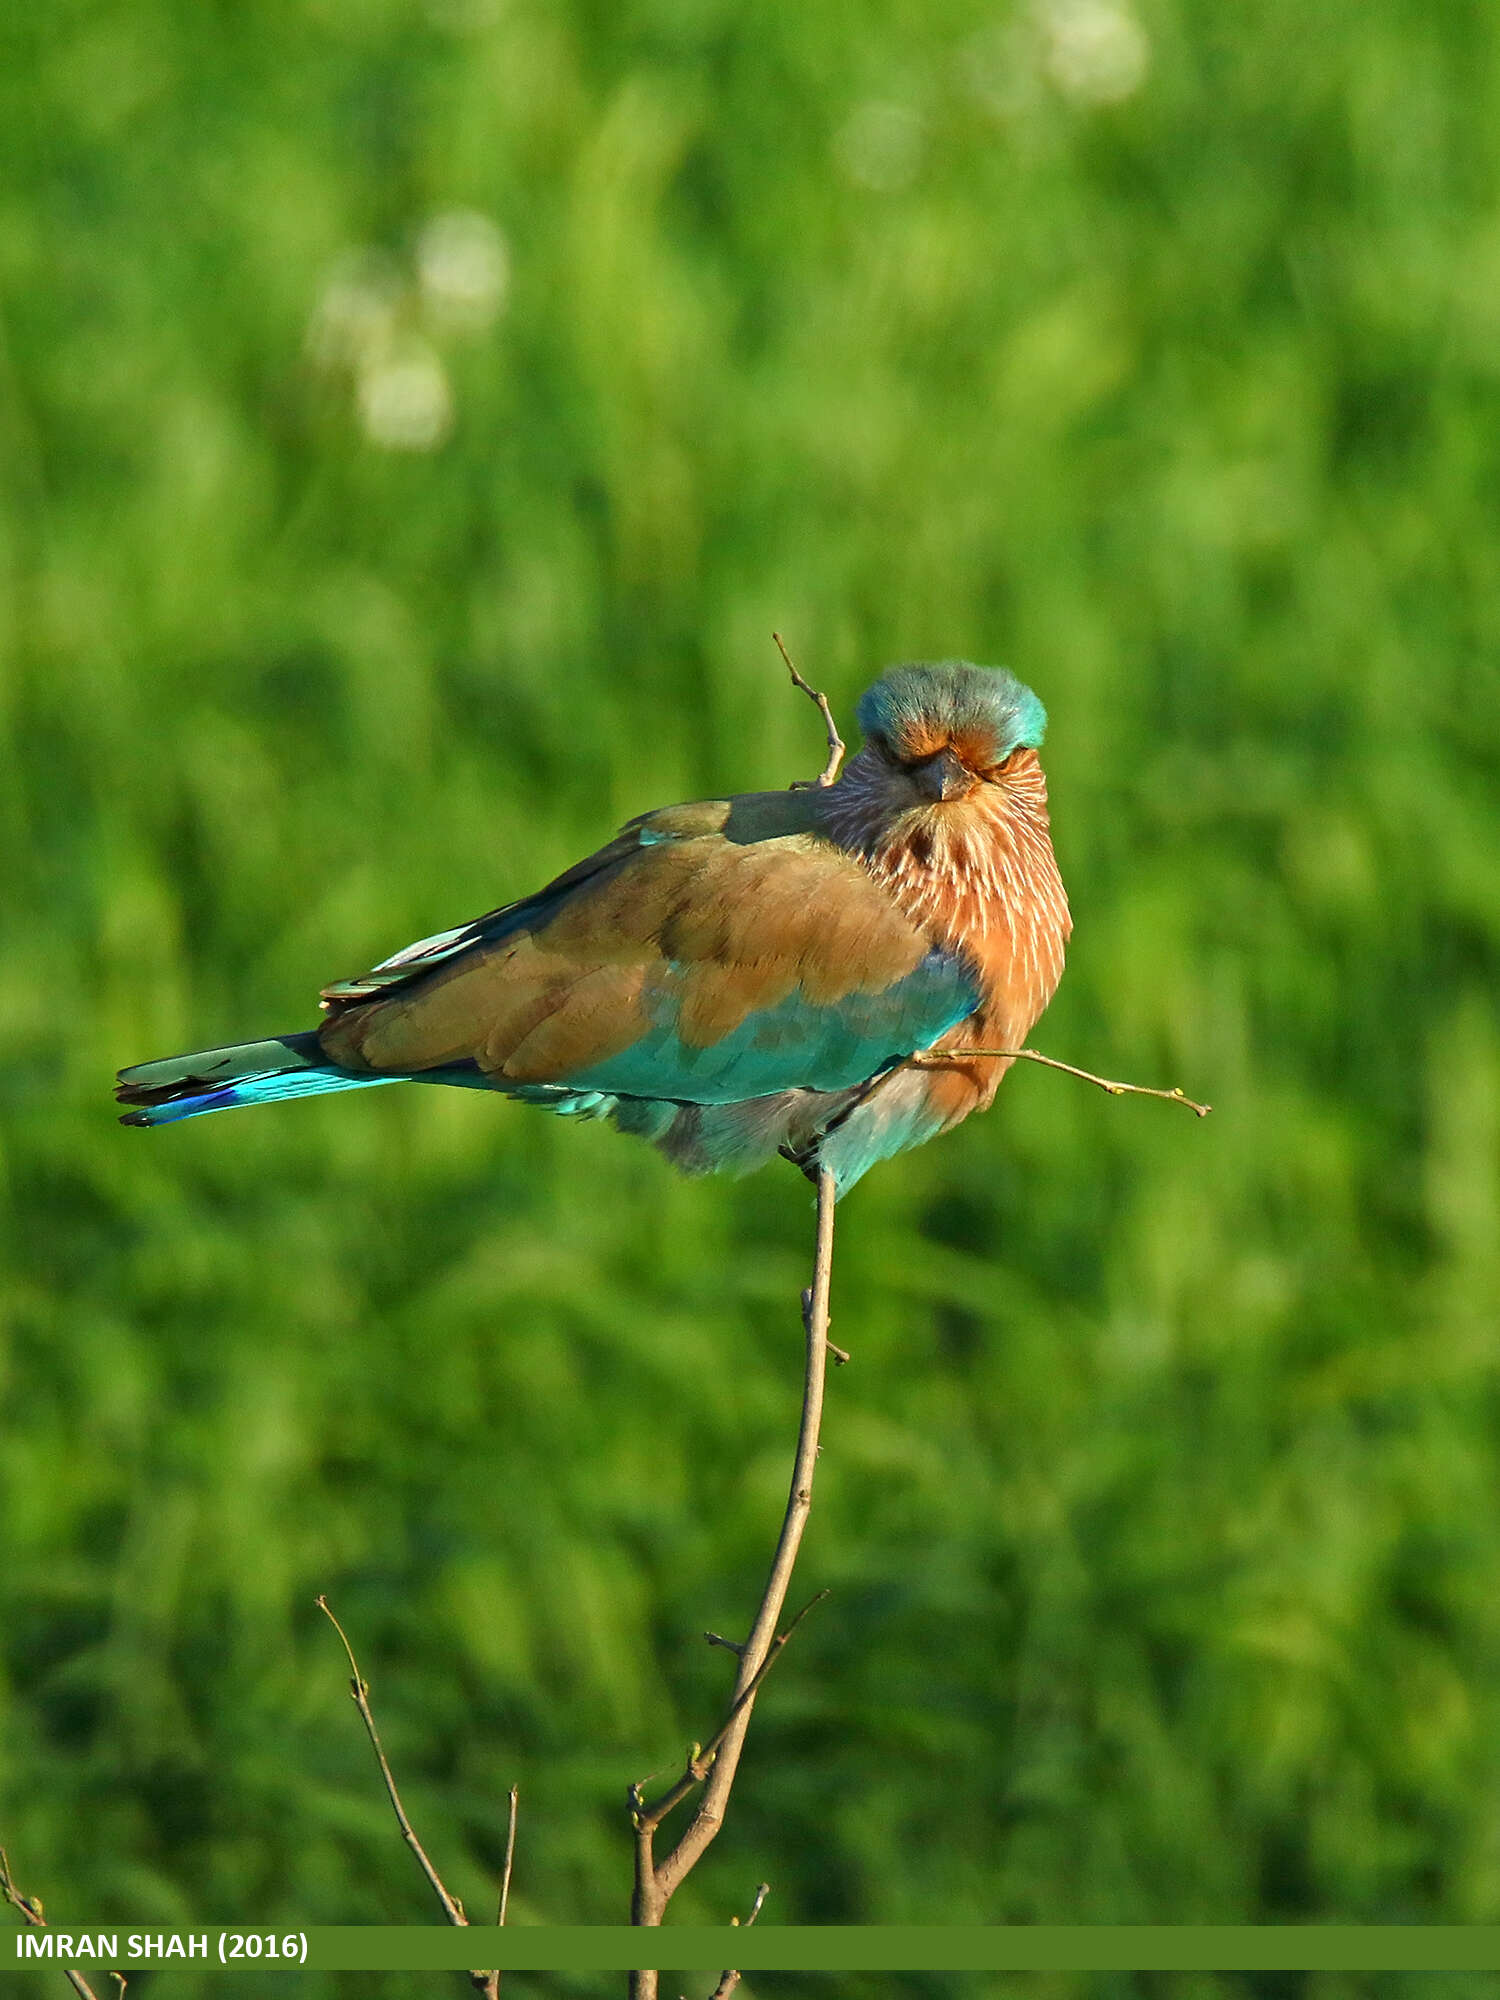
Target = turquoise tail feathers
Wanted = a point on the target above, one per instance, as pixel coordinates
(160, 1093)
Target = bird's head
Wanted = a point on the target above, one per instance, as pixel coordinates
(935, 734)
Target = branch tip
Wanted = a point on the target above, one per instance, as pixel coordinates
(510, 1853)
(836, 744)
(937, 1058)
(730, 1979)
(487, 1983)
(34, 1911)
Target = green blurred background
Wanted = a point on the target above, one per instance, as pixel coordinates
(414, 419)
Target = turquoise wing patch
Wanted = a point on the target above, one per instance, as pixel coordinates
(795, 1045)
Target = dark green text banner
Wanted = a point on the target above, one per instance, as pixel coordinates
(604, 1948)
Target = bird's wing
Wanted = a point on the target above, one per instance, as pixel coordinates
(415, 961)
(709, 953)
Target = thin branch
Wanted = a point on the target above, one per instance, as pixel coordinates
(31, 1907)
(938, 1058)
(702, 1755)
(714, 1765)
(763, 1889)
(359, 1690)
(33, 1911)
(491, 1986)
(487, 1983)
(731, 1979)
(510, 1853)
(836, 745)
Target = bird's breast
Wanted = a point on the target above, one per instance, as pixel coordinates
(985, 884)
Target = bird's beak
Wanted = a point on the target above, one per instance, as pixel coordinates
(945, 776)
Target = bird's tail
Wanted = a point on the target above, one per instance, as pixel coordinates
(218, 1079)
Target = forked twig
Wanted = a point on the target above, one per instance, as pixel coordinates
(701, 1757)
(487, 1983)
(836, 745)
(33, 1910)
(937, 1058)
(714, 1765)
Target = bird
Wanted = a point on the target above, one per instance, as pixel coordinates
(809, 973)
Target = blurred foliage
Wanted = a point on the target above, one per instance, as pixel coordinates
(345, 592)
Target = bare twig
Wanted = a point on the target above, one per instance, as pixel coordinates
(937, 1058)
(714, 1765)
(763, 1889)
(30, 1906)
(359, 1690)
(487, 1983)
(510, 1853)
(32, 1909)
(491, 1987)
(702, 1755)
(836, 745)
(731, 1979)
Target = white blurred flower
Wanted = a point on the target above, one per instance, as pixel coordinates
(364, 327)
(355, 316)
(463, 268)
(879, 146)
(1094, 51)
(405, 403)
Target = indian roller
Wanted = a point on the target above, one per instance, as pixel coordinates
(739, 977)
